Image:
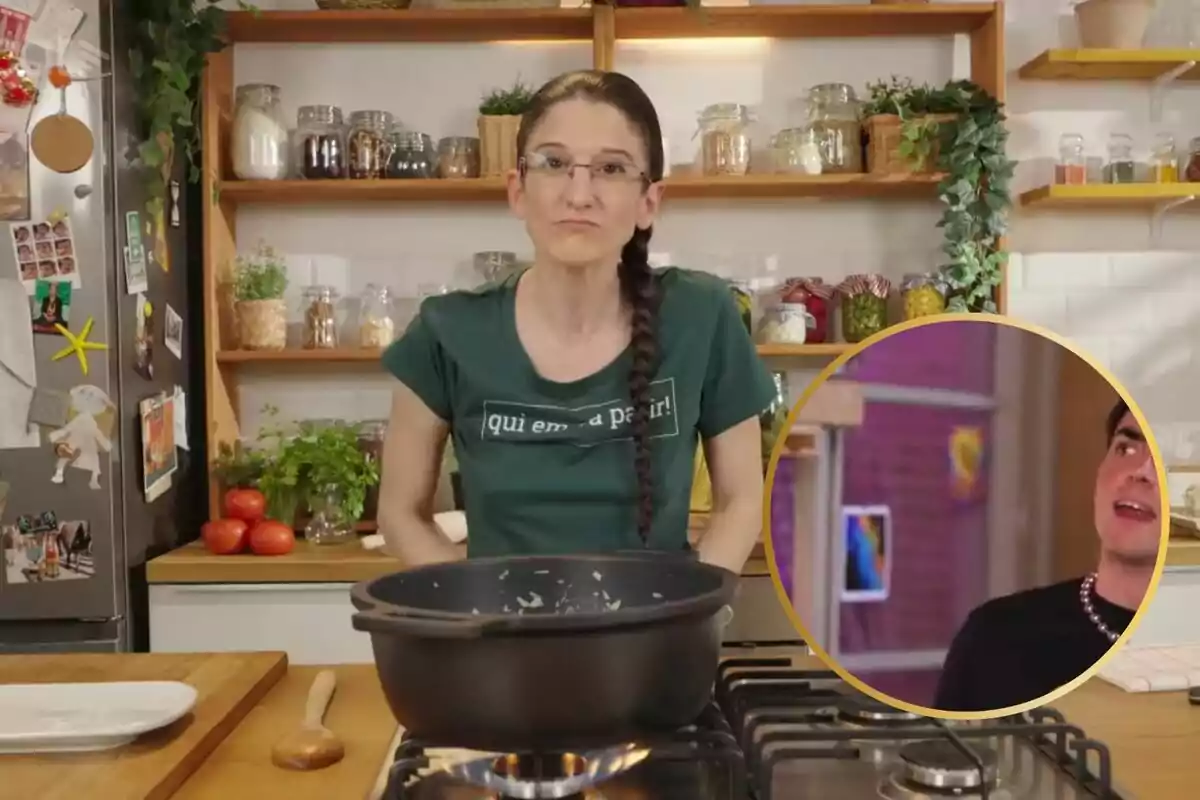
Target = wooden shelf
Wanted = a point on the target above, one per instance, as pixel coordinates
(298, 356)
(804, 21)
(831, 350)
(1109, 65)
(492, 190)
(412, 25)
(1103, 195)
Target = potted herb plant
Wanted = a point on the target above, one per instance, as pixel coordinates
(499, 120)
(901, 122)
(966, 139)
(260, 279)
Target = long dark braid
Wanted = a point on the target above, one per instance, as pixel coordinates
(640, 290)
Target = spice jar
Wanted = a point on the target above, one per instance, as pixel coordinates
(833, 114)
(376, 327)
(725, 139)
(370, 443)
(412, 155)
(1192, 172)
(320, 150)
(816, 295)
(368, 146)
(922, 296)
(1071, 169)
(795, 151)
(1120, 167)
(320, 319)
(458, 157)
(1164, 160)
(864, 306)
(260, 134)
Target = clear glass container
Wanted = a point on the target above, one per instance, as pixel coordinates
(370, 443)
(494, 265)
(796, 151)
(833, 115)
(458, 157)
(412, 155)
(773, 420)
(376, 317)
(864, 306)
(1192, 169)
(320, 318)
(369, 144)
(1121, 168)
(329, 524)
(1164, 159)
(922, 296)
(259, 146)
(724, 130)
(320, 150)
(786, 323)
(1071, 169)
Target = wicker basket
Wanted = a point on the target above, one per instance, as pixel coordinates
(497, 144)
(361, 5)
(884, 133)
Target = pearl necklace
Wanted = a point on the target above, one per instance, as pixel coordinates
(1085, 598)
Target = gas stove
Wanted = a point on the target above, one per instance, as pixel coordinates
(778, 732)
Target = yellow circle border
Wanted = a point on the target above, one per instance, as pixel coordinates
(780, 444)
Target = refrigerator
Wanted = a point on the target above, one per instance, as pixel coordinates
(74, 548)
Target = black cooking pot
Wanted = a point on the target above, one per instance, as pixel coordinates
(547, 653)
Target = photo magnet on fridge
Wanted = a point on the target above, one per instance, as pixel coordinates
(39, 548)
(173, 332)
(51, 307)
(143, 340)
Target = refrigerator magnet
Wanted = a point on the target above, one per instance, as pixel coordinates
(88, 432)
(39, 548)
(159, 459)
(173, 332)
(175, 219)
(51, 306)
(79, 345)
(143, 339)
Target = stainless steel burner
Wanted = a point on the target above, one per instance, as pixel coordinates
(940, 764)
(528, 777)
(865, 710)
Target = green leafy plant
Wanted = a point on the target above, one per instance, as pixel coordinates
(513, 101)
(171, 40)
(260, 276)
(239, 466)
(971, 151)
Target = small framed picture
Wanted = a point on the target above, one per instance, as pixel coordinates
(867, 538)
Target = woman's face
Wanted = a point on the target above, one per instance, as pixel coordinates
(584, 190)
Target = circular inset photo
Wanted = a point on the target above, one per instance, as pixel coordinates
(976, 531)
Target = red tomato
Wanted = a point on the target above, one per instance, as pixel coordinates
(224, 536)
(245, 504)
(271, 538)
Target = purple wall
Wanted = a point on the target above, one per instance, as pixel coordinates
(952, 355)
(783, 517)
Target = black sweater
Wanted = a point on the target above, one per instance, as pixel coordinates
(1023, 646)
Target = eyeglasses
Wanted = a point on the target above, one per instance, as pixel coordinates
(606, 170)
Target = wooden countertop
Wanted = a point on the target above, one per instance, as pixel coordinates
(229, 685)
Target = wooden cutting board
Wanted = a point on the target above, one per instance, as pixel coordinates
(229, 685)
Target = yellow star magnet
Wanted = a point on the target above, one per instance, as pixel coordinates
(79, 345)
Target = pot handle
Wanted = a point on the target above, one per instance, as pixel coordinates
(449, 626)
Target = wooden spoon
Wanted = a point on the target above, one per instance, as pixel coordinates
(312, 745)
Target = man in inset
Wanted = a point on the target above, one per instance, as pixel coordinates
(1023, 646)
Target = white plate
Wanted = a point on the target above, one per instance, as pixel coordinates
(77, 717)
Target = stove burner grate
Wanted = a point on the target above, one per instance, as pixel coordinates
(529, 777)
(943, 764)
(864, 710)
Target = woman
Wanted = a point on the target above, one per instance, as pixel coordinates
(575, 391)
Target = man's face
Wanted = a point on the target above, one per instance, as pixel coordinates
(1127, 506)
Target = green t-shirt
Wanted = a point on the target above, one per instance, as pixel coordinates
(547, 467)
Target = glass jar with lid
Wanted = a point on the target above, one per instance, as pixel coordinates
(1071, 169)
(833, 114)
(1192, 170)
(368, 144)
(458, 157)
(412, 155)
(329, 523)
(796, 151)
(922, 296)
(724, 130)
(1121, 166)
(320, 150)
(817, 297)
(371, 434)
(320, 318)
(376, 321)
(864, 306)
(1164, 159)
(259, 146)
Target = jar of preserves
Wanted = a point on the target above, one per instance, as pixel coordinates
(458, 157)
(376, 323)
(725, 139)
(1164, 159)
(795, 151)
(786, 323)
(1193, 161)
(743, 297)
(412, 155)
(772, 420)
(259, 146)
(1121, 167)
(320, 142)
(320, 318)
(1071, 169)
(833, 115)
(864, 306)
(370, 443)
(922, 296)
(816, 296)
(368, 144)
